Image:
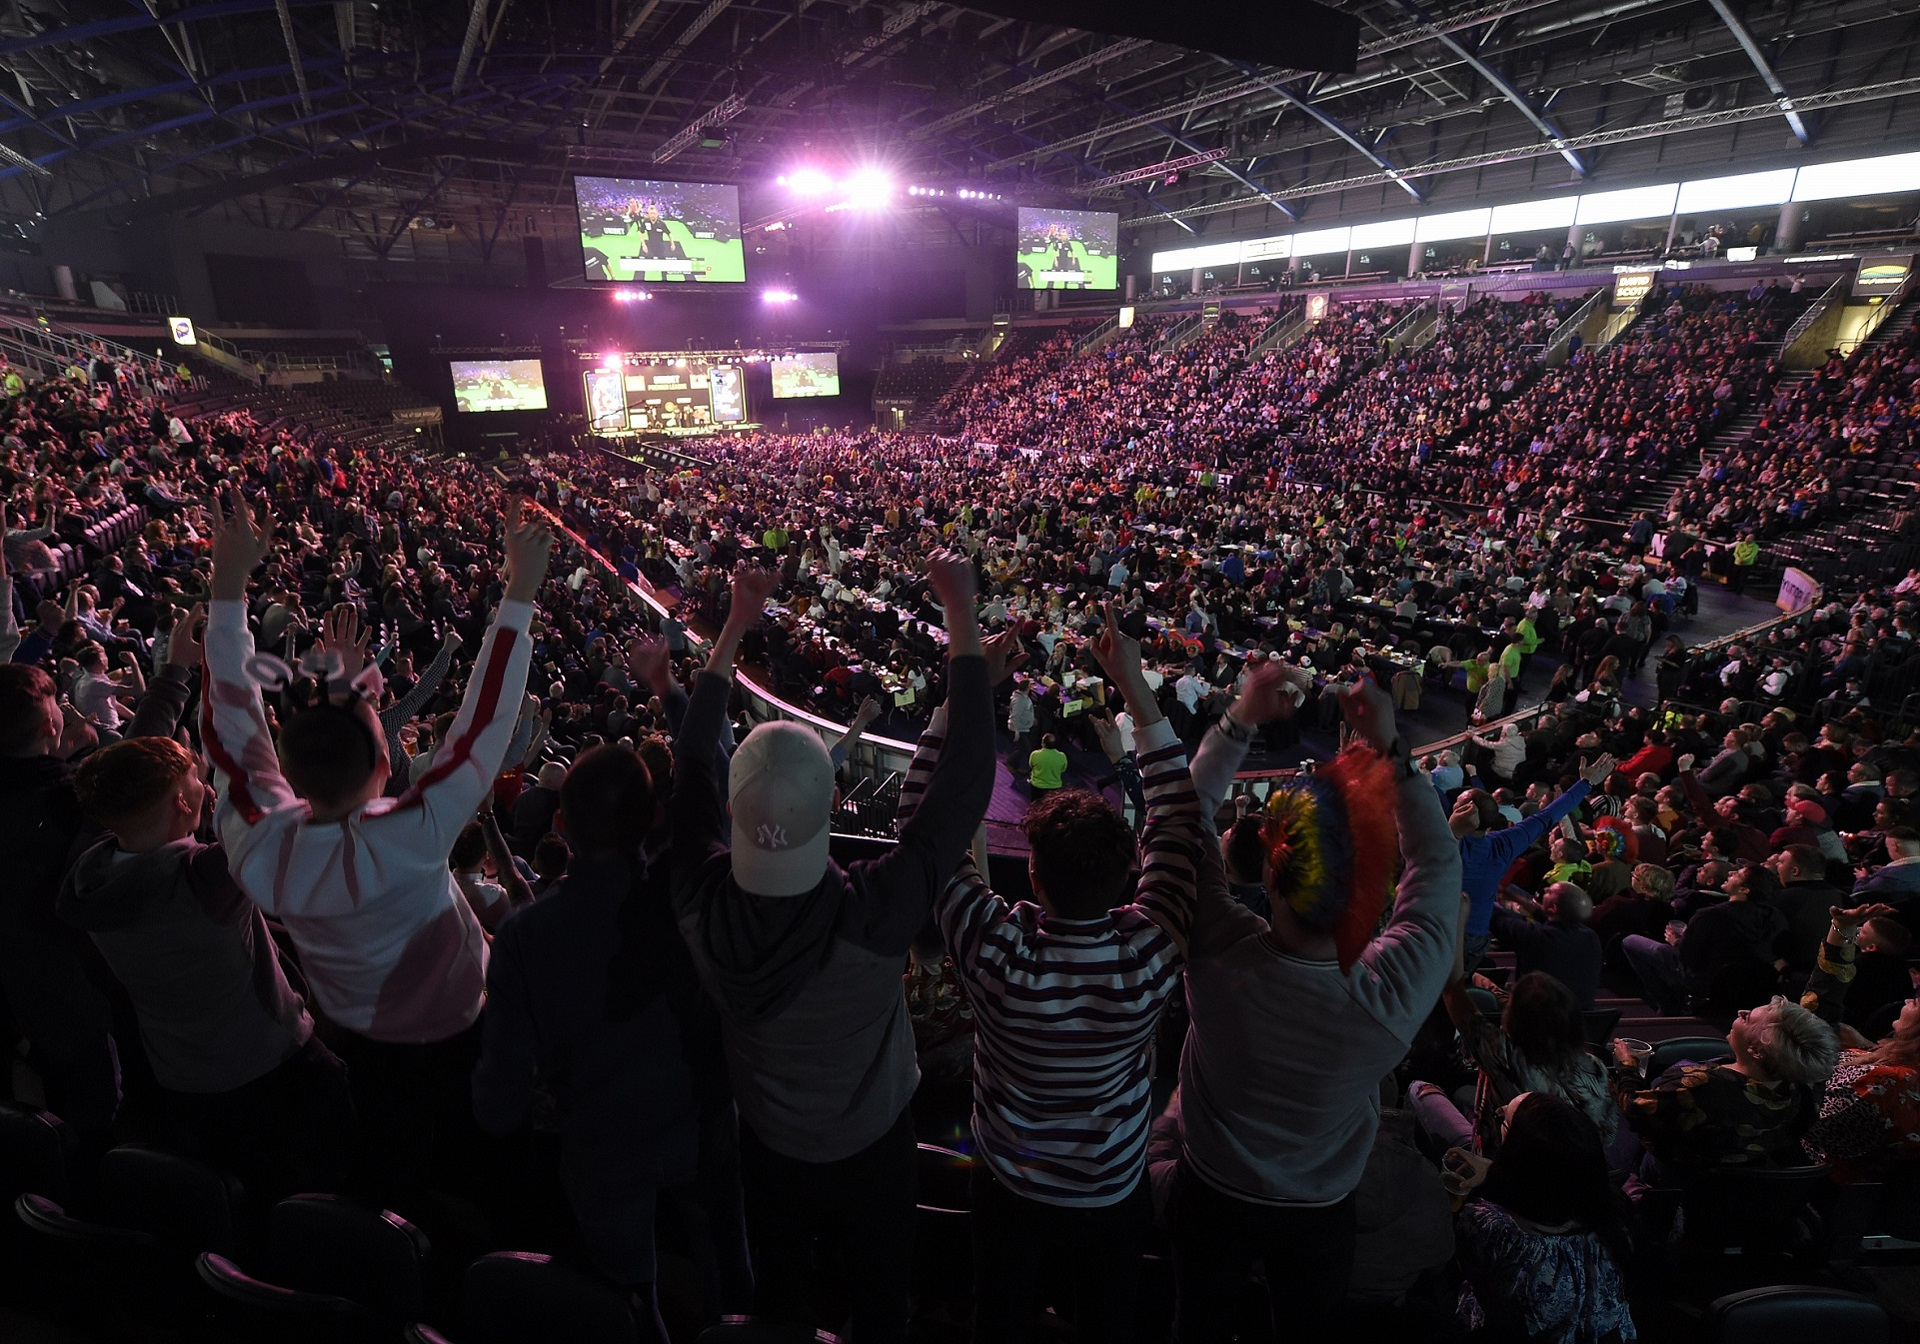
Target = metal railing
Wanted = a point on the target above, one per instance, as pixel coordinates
(1098, 337)
(66, 345)
(1617, 324)
(1877, 320)
(1559, 350)
(1835, 292)
(1279, 335)
(1409, 322)
(1183, 331)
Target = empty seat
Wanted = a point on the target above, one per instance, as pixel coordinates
(518, 1297)
(261, 1310)
(180, 1202)
(746, 1330)
(1698, 1049)
(1788, 1314)
(324, 1244)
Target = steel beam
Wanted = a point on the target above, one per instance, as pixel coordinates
(476, 24)
(1621, 135)
(1555, 136)
(701, 21)
(1318, 114)
(1040, 81)
(1801, 131)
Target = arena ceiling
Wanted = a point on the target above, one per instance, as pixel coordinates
(372, 120)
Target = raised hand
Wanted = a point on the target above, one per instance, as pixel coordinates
(242, 538)
(1369, 713)
(1859, 914)
(1004, 656)
(529, 547)
(342, 635)
(1117, 652)
(1598, 773)
(869, 711)
(649, 663)
(953, 581)
(751, 588)
(1108, 732)
(1272, 691)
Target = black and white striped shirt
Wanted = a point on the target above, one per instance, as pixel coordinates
(1065, 1010)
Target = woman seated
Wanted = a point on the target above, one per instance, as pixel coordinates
(1869, 1118)
(1540, 1240)
(1538, 1046)
(1751, 1108)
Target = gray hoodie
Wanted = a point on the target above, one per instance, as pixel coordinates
(813, 1012)
(194, 953)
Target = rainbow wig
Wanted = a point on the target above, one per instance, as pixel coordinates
(1331, 843)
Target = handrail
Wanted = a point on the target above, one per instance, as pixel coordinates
(1555, 353)
(1815, 311)
(1279, 334)
(53, 340)
(1098, 336)
(1408, 321)
(1617, 324)
(1877, 320)
(1182, 332)
(879, 754)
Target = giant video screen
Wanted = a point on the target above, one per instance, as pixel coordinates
(813, 373)
(632, 230)
(607, 400)
(668, 396)
(498, 385)
(727, 394)
(1067, 249)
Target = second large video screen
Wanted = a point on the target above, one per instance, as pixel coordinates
(1067, 249)
(633, 230)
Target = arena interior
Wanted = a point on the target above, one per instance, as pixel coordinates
(810, 671)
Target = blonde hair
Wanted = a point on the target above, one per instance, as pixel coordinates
(1901, 1049)
(1796, 1046)
(1650, 879)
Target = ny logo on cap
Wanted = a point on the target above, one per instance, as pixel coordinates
(771, 837)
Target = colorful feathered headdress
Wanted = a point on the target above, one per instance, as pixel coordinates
(1330, 843)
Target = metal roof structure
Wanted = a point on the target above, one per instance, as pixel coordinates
(372, 121)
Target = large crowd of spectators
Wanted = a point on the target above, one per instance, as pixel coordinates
(373, 836)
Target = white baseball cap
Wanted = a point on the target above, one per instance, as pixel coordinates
(780, 790)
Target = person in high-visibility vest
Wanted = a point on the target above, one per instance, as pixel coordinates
(1745, 552)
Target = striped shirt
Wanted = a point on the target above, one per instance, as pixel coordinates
(1065, 1010)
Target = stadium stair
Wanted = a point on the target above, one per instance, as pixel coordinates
(1638, 1019)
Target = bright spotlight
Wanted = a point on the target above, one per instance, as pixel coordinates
(631, 296)
(807, 182)
(869, 189)
(610, 361)
(778, 296)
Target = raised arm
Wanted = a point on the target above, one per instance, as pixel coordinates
(699, 815)
(1835, 968)
(172, 686)
(403, 709)
(1175, 830)
(1408, 961)
(1508, 844)
(869, 711)
(233, 722)
(959, 774)
(467, 763)
(1273, 691)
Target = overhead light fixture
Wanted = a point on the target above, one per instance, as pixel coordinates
(807, 182)
(869, 189)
